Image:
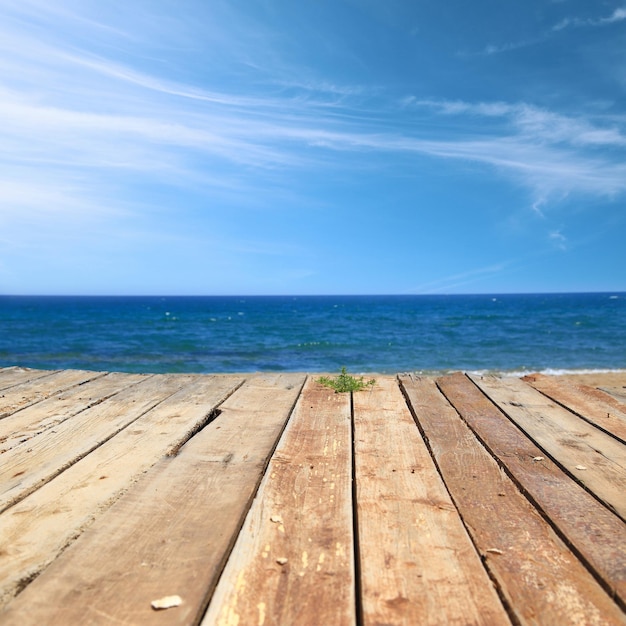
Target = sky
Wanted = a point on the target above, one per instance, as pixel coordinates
(242, 147)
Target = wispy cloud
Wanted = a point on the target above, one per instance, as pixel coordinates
(536, 206)
(453, 282)
(552, 153)
(491, 48)
(536, 123)
(91, 118)
(618, 15)
(458, 107)
(558, 239)
(146, 133)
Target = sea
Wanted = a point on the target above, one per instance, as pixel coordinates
(426, 334)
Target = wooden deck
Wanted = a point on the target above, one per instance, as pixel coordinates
(268, 499)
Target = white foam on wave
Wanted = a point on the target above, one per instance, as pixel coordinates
(547, 371)
(563, 372)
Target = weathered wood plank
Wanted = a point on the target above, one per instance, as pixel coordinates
(11, 376)
(596, 533)
(594, 458)
(418, 565)
(619, 393)
(542, 581)
(293, 562)
(31, 464)
(589, 403)
(170, 534)
(38, 389)
(33, 420)
(34, 531)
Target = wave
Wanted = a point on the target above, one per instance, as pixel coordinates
(548, 372)
(515, 373)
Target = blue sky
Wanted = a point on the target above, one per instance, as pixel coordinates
(312, 147)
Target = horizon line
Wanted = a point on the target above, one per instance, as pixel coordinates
(308, 295)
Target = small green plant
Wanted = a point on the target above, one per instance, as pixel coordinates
(345, 382)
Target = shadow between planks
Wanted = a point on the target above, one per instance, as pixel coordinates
(269, 499)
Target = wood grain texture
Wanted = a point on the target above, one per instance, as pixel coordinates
(19, 427)
(591, 456)
(618, 393)
(11, 376)
(37, 389)
(34, 531)
(596, 533)
(293, 563)
(170, 534)
(418, 564)
(31, 464)
(155, 509)
(543, 582)
(588, 402)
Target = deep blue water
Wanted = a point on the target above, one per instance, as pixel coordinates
(316, 333)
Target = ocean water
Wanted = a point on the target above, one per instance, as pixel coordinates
(385, 334)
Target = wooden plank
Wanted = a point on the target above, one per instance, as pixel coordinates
(31, 464)
(33, 420)
(34, 531)
(596, 393)
(38, 389)
(293, 562)
(597, 535)
(418, 565)
(11, 376)
(542, 581)
(619, 393)
(170, 534)
(570, 441)
(587, 402)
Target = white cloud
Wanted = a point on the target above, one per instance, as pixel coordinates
(535, 123)
(550, 153)
(537, 204)
(618, 15)
(567, 22)
(491, 49)
(454, 281)
(89, 118)
(457, 107)
(553, 154)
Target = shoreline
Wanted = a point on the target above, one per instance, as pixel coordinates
(584, 376)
